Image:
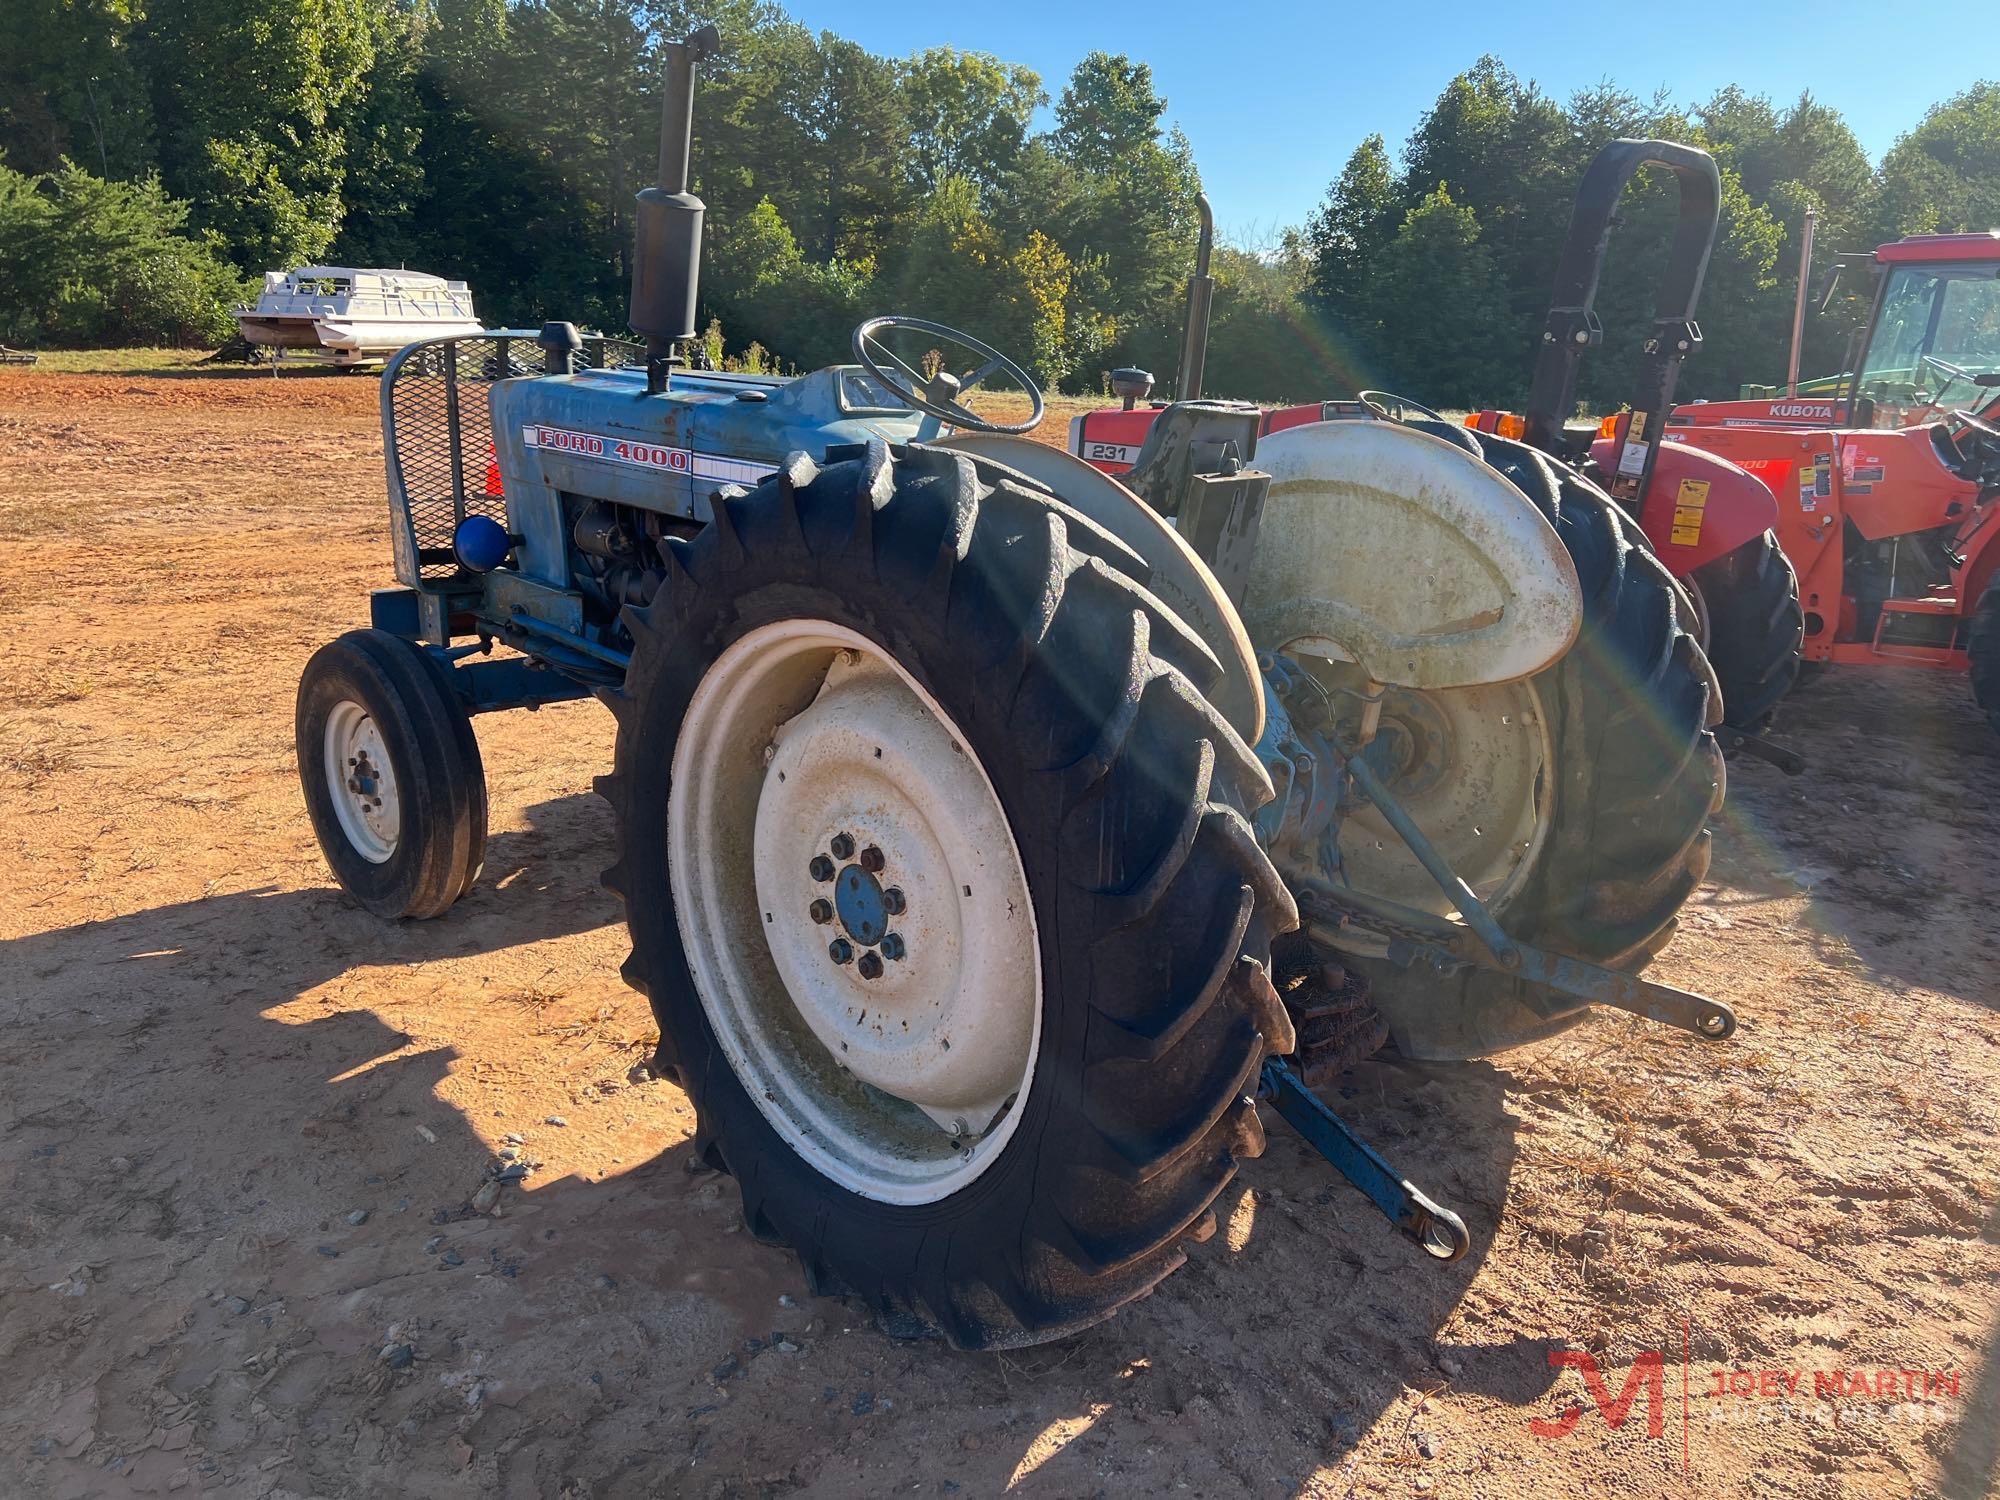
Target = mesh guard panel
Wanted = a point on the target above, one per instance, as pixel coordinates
(440, 432)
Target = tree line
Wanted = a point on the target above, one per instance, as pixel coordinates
(156, 156)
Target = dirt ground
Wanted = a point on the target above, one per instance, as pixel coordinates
(240, 1120)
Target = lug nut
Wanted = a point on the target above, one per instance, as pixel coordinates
(822, 912)
(842, 846)
(871, 966)
(840, 951)
(871, 859)
(821, 868)
(892, 946)
(892, 901)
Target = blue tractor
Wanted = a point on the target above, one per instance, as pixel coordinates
(993, 834)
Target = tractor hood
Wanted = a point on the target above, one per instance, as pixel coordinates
(598, 434)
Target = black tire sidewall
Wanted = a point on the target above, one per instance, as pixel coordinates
(1983, 652)
(1756, 629)
(440, 786)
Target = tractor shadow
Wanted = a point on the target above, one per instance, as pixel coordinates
(265, 947)
(188, 1139)
(1892, 831)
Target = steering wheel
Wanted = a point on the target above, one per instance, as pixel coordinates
(940, 394)
(1945, 368)
(1407, 413)
(1985, 436)
(1393, 408)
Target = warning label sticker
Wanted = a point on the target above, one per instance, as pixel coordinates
(1690, 502)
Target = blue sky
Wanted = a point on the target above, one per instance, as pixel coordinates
(1275, 95)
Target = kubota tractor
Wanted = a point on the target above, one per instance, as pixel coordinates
(992, 835)
(1888, 477)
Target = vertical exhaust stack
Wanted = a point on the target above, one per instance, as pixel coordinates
(666, 262)
(1201, 292)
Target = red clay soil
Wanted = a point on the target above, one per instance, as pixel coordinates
(241, 1121)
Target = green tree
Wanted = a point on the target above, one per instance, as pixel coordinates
(853, 124)
(1108, 111)
(1808, 144)
(84, 261)
(1508, 152)
(252, 96)
(1350, 231)
(382, 184)
(71, 87)
(600, 142)
(1944, 176)
(1266, 340)
(1116, 190)
(967, 115)
(1428, 304)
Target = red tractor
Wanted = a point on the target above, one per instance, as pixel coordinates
(1888, 477)
(1711, 522)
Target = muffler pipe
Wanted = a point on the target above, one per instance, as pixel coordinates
(666, 260)
(1201, 293)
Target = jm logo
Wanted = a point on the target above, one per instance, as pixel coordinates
(1648, 1373)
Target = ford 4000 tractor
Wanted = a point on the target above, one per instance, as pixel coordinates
(995, 837)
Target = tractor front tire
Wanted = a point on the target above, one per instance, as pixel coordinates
(1756, 629)
(1983, 646)
(392, 775)
(970, 630)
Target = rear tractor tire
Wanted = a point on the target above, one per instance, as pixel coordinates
(1756, 629)
(1630, 775)
(392, 775)
(937, 869)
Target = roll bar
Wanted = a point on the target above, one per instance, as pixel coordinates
(1572, 326)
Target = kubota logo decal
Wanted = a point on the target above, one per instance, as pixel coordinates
(1801, 409)
(644, 455)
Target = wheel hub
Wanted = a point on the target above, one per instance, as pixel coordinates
(1413, 749)
(362, 782)
(858, 899)
(855, 911)
(1473, 766)
(871, 779)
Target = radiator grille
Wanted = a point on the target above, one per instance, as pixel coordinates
(441, 438)
(440, 431)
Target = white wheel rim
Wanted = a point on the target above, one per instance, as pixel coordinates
(1474, 766)
(899, 1073)
(361, 780)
